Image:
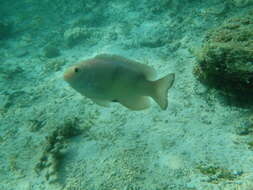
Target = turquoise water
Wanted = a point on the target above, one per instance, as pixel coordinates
(53, 138)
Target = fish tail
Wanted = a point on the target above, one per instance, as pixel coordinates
(160, 90)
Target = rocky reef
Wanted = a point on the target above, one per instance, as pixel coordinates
(225, 59)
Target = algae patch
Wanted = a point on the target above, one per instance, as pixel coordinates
(54, 151)
(217, 174)
(225, 60)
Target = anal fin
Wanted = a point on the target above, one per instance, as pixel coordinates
(135, 102)
(100, 102)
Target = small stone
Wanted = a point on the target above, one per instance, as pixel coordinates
(51, 51)
(21, 53)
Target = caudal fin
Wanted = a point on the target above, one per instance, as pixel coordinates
(161, 87)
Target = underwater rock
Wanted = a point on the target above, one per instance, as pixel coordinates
(51, 51)
(242, 3)
(21, 52)
(75, 35)
(225, 60)
(5, 30)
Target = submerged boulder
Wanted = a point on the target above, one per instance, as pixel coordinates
(51, 51)
(225, 59)
(5, 30)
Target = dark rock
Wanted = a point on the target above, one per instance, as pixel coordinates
(5, 30)
(51, 51)
(225, 60)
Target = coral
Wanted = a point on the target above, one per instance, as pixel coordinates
(225, 60)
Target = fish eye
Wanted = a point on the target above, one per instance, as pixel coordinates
(76, 70)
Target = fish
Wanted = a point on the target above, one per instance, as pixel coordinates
(108, 78)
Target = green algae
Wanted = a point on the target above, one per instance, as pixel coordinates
(54, 151)
(217, 174)
(225, 60)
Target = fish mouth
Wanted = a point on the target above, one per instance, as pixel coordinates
(67, 76)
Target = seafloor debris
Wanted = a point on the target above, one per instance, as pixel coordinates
(217, 174)
(9, 71)
(55, 64)
(75, 35)
(225, 60)
(50, 159)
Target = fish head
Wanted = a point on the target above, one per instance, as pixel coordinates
(72, 74)
(76, 75)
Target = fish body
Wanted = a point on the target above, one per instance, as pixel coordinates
(111, 78)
